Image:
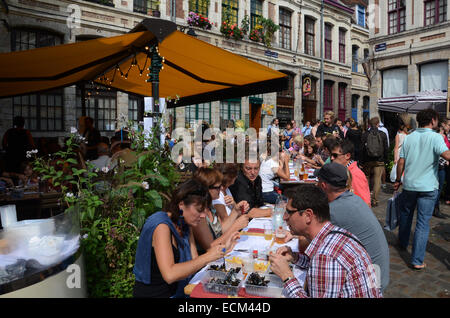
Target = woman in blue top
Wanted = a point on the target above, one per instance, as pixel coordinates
(287, 135)
(166, 255)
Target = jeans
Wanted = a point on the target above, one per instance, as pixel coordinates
(425, 202)
(270, 197)
(441, 177)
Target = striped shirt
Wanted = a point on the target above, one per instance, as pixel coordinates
(337, 267)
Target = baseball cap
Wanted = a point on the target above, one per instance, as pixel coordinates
(333, 173)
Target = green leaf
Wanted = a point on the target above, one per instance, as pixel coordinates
(72, 161)
(154, 196)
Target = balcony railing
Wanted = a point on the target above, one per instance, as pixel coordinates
(109, 3)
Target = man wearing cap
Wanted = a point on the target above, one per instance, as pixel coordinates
(350, 212)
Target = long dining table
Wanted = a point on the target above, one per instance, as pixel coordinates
(251, 239)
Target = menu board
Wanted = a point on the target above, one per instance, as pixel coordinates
(285, 115)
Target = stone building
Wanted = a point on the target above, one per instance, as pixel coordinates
(411, 44)
(295, 50)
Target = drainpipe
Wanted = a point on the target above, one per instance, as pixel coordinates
(173, 13)
(321, 62)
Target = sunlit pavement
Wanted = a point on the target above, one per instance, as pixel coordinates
(434, 280)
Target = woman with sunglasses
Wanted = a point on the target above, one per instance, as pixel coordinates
(211, 231)
(166, 256)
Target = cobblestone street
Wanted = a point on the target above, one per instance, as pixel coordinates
(434, 280)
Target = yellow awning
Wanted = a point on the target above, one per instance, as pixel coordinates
(194, 71)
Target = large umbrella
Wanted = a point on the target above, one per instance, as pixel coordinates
(154, 59)
(414, 103)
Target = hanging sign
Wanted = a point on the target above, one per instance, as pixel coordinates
(306, 86)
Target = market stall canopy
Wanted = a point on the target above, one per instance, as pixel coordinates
(194, 71)
(414, 103)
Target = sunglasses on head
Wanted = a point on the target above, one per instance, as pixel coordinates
(215, 188)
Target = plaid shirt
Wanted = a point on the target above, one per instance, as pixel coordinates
(337, 267)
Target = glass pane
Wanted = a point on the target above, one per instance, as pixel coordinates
(33, 111)
(51, 100)
(51, 124)
(58, 100)
(32, 99)
(50, 112)
(33, 124)
(101, 114)
(43, 124)
(25, 100)
(101, 103)
(58, 113)
(43, 99)
(58, 125)
(43, 112)
(17, 111)
(25, 111)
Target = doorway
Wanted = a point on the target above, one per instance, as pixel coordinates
(255, 116)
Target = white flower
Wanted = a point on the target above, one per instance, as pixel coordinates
(105, 169)
(85, 236)
(145, 185)
(69, 195)
(73, 130)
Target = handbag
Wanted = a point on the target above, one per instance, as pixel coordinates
(392, 212)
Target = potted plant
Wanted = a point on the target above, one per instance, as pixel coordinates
(197, 20)
(268, 30)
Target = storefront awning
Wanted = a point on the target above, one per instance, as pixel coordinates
(194, 71)
(414, 103)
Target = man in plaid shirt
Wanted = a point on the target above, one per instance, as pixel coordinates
(337, 263)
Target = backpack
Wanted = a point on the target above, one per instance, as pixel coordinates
(374, 144)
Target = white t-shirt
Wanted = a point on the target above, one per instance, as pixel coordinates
(221, 200)
(267, 172)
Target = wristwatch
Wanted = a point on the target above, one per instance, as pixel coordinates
(287, 279)
(397, 180)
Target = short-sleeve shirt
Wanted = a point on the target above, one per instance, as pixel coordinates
(421, 151)
(267, 173)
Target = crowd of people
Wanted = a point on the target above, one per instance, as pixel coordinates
(340, 240)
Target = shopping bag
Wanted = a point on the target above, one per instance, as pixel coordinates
(392, 212)
(393, 175)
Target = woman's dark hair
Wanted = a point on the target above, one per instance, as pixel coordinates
(189, 192)
(424, 117)
(309, 196)
(314, 147)
(208, 176)
(228, 170)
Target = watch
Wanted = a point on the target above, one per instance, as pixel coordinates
(287, 279)
(396, 180)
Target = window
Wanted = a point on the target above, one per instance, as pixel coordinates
(341, 100)
(327, 96)
(289, 92)
(255, 12)
(109, 3)
(145, 6)
(100, 105)
(396, 16)
(285, 29)
(434, 76)
(230, 9)
(135, 106)
(309, 36)
(42, 111)
(342, 45)
(328, 42)
(435, 11)
(193, 113)
(361, 15)
(199, 6)
(355, 100)
(355, 50)
(230, 109)
(395, 82)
